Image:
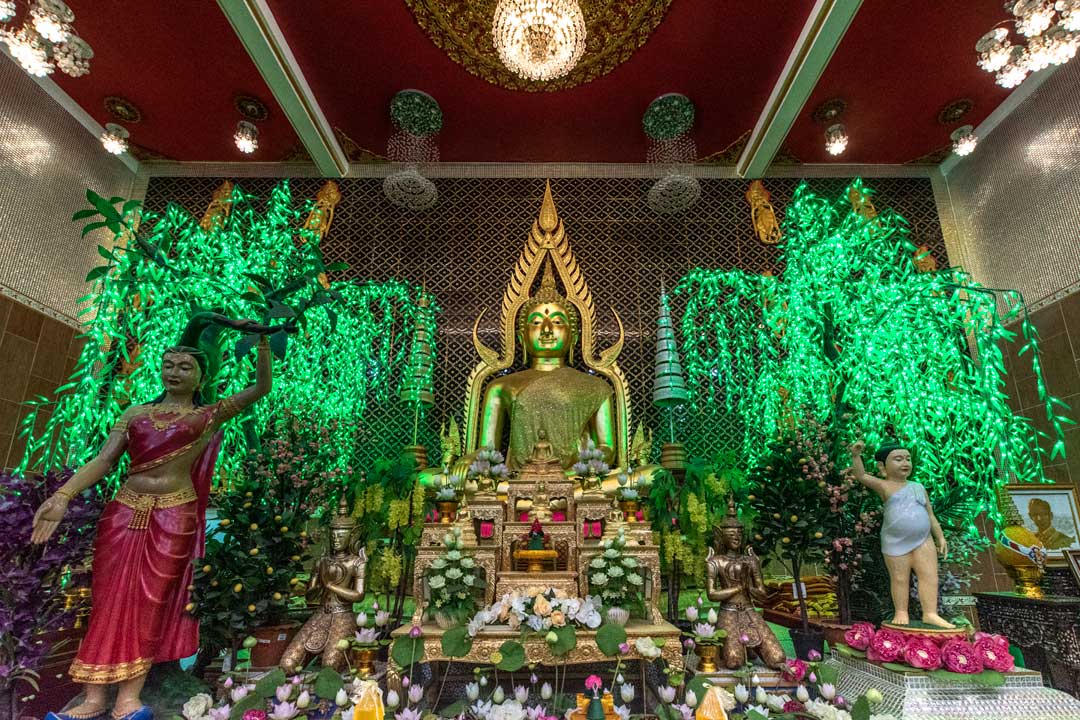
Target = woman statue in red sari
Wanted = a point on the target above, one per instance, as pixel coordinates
(153, 529)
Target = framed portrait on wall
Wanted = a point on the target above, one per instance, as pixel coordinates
(1050, 511)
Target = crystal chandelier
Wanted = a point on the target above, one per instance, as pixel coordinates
(1053, 33)
(246, 137)
(115, 138)
(539, 39)
(46, 40)
(963, 140)
(836, 139)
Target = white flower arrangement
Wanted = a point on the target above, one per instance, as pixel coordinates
(452, 579)
(538, 613)
(488, 468)
(616, 577)
(590, 466)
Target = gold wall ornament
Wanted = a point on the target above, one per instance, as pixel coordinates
(861, 203)
(762, 214)
(924, 260)
(322, 214)
(462, 29)
(220, 206)
(547, 242)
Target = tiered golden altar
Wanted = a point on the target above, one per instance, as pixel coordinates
(571, 408)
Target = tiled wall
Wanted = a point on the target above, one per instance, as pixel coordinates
(37, 354)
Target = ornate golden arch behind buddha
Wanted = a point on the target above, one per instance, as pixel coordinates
(547, 246)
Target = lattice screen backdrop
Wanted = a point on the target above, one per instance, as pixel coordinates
(465, 247)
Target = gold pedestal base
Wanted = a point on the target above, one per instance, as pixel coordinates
(419, 453)
(1026, 580)
(673, 456)
(535, 559)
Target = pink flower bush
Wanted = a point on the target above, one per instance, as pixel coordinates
(922, 653)
(594, 683)
(794, 670)
(886, 646)
(959, 656)
(993, 652)
(859, 635)
(255, 715)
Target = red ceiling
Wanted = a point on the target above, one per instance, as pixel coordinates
(725, 59)
(898, 65)
(182, 65)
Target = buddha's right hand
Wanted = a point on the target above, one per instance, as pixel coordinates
(47, 518)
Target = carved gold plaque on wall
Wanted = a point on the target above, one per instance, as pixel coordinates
(615, 29)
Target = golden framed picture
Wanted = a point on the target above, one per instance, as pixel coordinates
(1049, 510)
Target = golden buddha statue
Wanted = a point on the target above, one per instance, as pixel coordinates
(550, 401)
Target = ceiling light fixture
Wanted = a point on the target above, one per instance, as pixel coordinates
(115, 138)
(964, 140)
(246, 137)
(1053, 33)
(45, 41)
(539, 39)
(836, 139)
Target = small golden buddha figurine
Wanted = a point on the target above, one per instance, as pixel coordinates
(541, 504)
(569, 406)
(340, 575)
(733, 579)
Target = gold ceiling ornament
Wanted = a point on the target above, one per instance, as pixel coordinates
(539, 39)
(463, 30)
(547, 243)
(762, 214)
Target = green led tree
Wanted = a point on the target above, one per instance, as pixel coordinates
(855, 336)
(260, 261)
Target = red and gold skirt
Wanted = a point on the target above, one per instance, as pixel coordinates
(141, 572)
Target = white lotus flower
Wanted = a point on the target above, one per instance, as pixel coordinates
(303, 699)
(521, 694)
(498, 696)
(827, 690)
(760, 696)
(802, 695)
(472, 691)
(691, 698)
(741, 693)
(392, 699)
(626, 692)
(342, 698)
(667, 694)
(713, 617)
(545, 691)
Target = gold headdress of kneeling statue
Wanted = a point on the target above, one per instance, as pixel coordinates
(579, 403)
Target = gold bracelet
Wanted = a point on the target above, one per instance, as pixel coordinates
(66, 495)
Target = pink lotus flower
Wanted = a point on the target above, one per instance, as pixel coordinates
(922, 653)
(794, 670)
(887, 646)
(993, 651)
(594, 683)
(255, 715)
(859, 636)
(959, 656)
(794, 706)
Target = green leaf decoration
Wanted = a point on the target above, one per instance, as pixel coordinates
(861, 709)
(755, 715)
(278, 342)
(700, 686)
(96, 273)
(406, 650)
(513, 656)
(828, 674)
(103, 206)
(897, 667)
(456, 642)
(91, 227)
(83, 214)
(986, 678)
(453, 710)
(250, 702)
(567, 640)
(327, 683)
(609, 637)
(848, 651)
(668, 116)
(269, 683)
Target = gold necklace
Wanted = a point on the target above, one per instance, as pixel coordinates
(175, 415)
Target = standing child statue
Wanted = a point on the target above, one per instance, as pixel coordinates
(906, 530)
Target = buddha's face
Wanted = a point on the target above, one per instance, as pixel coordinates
(730, 539)
(339, 539)
(180, 374)
(547, 332)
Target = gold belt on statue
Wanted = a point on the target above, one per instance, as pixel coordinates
(144, 503)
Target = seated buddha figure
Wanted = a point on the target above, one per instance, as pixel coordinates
(568, 406)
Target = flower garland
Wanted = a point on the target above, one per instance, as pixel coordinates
(668, 116)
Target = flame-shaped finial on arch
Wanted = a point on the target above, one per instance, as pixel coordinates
(549, 216)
